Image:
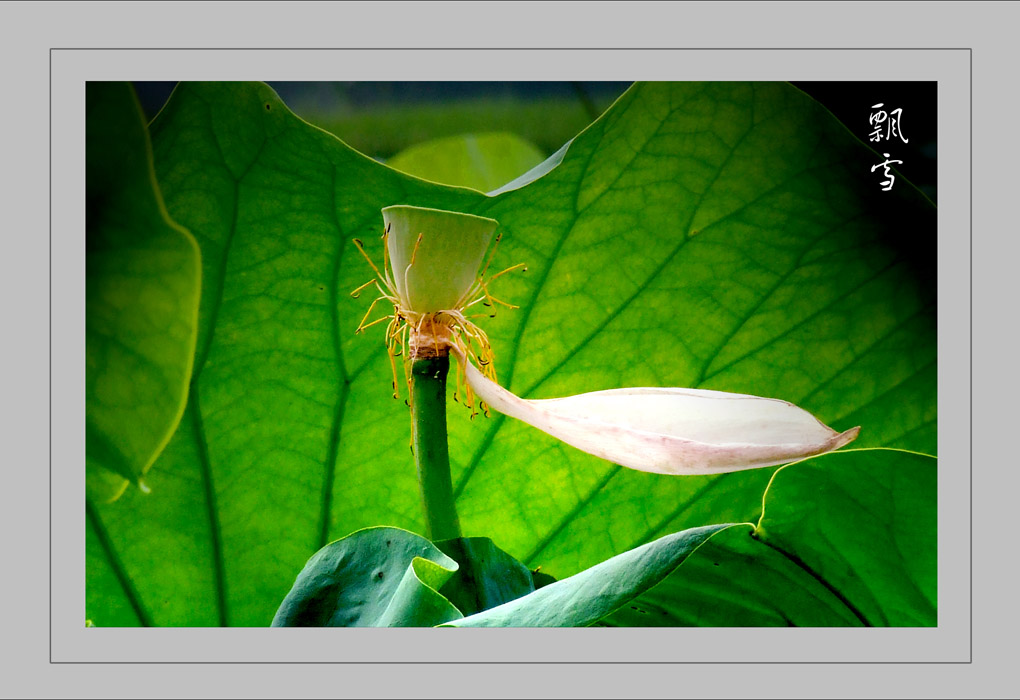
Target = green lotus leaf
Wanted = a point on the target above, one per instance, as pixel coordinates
(720, 236)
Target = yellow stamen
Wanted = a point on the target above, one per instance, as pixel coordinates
(357, 292)
(362, 326)
(373, 323)
(499, 301)
(417, 244)
(499, 237)
(509, 269)
(361, 249)
(449, 327)
(386, 253)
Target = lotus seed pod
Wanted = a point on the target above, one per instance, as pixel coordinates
(435, 255)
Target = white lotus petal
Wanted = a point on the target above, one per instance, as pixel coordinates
(671, 431)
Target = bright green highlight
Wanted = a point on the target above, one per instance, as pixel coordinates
(482, 162)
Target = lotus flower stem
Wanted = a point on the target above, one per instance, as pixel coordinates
(429, 439)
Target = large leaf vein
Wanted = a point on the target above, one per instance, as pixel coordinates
(786, 332)
(116, 565)
(341, 403)
(893, 329)
(212, 511)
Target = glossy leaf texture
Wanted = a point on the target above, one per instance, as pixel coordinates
(846, 539)
(722, 236)
(142, 279)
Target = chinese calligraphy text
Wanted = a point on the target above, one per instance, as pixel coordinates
(886, 126)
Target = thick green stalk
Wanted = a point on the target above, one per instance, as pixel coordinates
(431, 451)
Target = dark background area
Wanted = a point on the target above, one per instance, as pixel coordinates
(851, 103)
(326, 97)
(328, 104)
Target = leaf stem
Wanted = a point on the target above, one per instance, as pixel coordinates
(431, 451)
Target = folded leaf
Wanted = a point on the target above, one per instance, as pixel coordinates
(671, 431)
(587, 597)
(376, 577)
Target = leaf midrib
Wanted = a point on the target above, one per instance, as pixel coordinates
(799, 563)
(336, 427)
(198, 423)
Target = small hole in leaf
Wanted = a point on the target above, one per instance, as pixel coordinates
(268, 108)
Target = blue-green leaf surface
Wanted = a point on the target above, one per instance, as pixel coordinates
(487, 576)
(585, 598)
(377, 577)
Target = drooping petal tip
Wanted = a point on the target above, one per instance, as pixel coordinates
(845, 438)
(671, 431)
